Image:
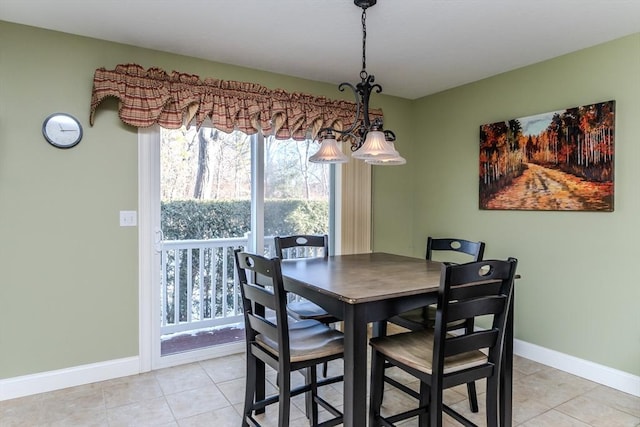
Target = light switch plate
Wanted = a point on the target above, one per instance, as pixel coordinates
(128, 218)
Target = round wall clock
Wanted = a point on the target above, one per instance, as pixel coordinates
(62, 130)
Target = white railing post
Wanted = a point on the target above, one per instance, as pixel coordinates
(224, 281)
(189, 295)
(176, 287)
(201, 283)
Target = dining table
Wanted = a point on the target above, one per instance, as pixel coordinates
(370, 288)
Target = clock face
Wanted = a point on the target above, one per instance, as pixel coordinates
(62, 130)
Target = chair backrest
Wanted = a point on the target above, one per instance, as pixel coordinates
(475, 249)
(261, 299)
(467, 291)
(302, 246)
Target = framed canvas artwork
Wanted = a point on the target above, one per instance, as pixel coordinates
(557, 161)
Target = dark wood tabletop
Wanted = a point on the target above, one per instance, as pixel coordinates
(365, 277)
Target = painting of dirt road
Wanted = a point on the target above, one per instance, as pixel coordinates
(556, 161)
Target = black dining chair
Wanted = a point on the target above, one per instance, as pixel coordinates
(440, 359)
(286, 345)
(424, 317)
(304, 246)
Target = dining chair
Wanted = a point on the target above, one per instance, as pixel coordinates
(424, 317)
(304, 246)
(440, 359)
(286, 345)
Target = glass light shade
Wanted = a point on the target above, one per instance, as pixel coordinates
(374, 146)
(388, 159)
(387, 162)
(329, 152)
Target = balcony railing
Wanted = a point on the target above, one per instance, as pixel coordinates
(199, 283)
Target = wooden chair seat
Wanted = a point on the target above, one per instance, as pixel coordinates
(308, 339)
(415, 349)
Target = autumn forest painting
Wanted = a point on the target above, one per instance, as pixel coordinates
(556, 161)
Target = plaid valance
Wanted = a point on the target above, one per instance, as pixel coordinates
(172, 99)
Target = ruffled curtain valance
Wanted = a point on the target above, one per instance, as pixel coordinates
(153, 96)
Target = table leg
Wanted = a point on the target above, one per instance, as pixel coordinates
(379, 329)
(355, 366)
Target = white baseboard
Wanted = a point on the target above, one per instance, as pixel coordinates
(207, 353)
(600, 374)
(26, 385)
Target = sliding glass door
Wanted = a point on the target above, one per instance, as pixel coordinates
(216, 192)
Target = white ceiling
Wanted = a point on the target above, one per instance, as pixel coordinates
(414, 47)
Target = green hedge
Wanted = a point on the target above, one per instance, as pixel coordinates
(191, 219)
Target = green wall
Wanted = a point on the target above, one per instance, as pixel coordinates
(69, 273)
(579, 293)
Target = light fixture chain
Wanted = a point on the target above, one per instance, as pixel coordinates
(369, 141)
(363, 73)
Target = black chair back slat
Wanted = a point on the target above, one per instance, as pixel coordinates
(475, 249)
(463, 292)
(298, 246)
(466, 343)
(256, 264)
(257, 293)
(466, 375)
(262, 326)
(475, 307)
(478, 272)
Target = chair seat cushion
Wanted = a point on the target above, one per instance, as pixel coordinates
(302, 310)
(415, 349)
(308, 339)
(306, 308)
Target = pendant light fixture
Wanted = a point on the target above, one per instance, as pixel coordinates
(369, 141)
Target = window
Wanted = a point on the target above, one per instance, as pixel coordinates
(201, 169)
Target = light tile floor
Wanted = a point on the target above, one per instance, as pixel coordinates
(210, 393)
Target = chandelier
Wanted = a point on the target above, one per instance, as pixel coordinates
(369, 141)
